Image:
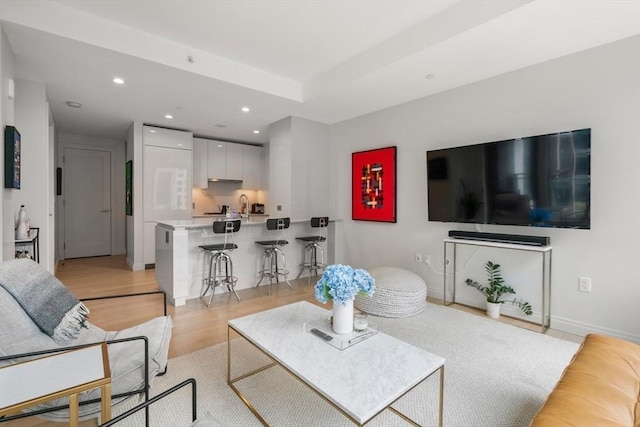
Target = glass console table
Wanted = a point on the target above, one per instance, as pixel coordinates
(543, 251)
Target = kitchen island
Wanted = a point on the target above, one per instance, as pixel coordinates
(181, 265)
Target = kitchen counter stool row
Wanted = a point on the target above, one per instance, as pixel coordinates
(273, 258)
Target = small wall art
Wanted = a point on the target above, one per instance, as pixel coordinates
(374, 185)
(129, 188)
(11, 157)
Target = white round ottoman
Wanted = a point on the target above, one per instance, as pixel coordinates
(398, 293)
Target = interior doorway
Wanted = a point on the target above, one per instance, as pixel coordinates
(87, 202)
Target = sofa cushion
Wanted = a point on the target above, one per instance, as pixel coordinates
(600, 387)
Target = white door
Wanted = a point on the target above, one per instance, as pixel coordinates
(87, 203)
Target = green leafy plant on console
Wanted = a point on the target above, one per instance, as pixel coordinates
(496, 289)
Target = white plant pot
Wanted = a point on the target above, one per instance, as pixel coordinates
(493, 310)
(343, 317)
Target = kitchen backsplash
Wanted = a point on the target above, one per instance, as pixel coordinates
(222, 193)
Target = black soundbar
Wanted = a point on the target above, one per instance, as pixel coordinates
(502, 238)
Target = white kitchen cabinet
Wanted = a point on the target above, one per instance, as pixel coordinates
(167, 181)
(169, 138)
(217, 160)
(251, 167)
(224, 160)
(200, 162)
(234, 161)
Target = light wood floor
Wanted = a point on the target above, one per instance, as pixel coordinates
(196, 326)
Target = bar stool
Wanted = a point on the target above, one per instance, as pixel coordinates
(311, 247)
(272, 252)
(218, 258)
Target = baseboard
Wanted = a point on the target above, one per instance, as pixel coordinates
(557, 323)
(582, 329)
(133, 266)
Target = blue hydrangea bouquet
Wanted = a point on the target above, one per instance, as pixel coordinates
(342, 283)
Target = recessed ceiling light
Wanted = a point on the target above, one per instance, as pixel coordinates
(256, 131)
(245, 109)
(152, 131)
(168, 116)
(429, 76)
(73, 104)
(118, 81)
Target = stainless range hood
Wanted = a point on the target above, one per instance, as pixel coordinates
(235, 181)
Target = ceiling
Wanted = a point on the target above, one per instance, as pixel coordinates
(202, 61)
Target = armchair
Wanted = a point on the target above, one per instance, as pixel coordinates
(136, 354)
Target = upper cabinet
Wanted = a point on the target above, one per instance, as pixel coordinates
(217, 160)
(234, 161)
(170, 138)
(200, 163)
(226, 161)
(251, 167)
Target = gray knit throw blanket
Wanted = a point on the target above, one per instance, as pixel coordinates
(51, 306)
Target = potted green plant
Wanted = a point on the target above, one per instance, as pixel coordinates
(496, 290)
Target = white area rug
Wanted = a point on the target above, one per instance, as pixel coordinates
(495, 375)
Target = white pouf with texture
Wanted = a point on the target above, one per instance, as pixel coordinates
(398, 293)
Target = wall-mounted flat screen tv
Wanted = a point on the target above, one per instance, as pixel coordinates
(542, 181)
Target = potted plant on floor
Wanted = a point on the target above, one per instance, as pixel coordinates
(496, 290)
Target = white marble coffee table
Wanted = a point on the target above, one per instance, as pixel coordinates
(393, 367)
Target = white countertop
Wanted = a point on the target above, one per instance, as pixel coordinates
(210, 216)
(206, 222)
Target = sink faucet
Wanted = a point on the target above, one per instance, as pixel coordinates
(246, 204)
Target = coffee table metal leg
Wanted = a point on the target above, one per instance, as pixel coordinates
(441, 409)
(440, 402)
(231, 382)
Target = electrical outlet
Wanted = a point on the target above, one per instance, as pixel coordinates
(427, 259)
(584, 284)
(418, 257)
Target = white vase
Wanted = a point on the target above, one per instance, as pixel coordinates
(343, 317)
(22, 230)
(493, 310)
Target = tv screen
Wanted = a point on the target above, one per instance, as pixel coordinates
(542, 181)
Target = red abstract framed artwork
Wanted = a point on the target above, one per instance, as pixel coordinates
(373, 196)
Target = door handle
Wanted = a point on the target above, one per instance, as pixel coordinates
(105, 210)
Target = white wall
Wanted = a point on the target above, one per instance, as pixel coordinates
(597, 89)
(278, 153)
(6, 118)
(117, 150)
(32, 121)
(299, 172)
(134, 223)
(310, 167)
